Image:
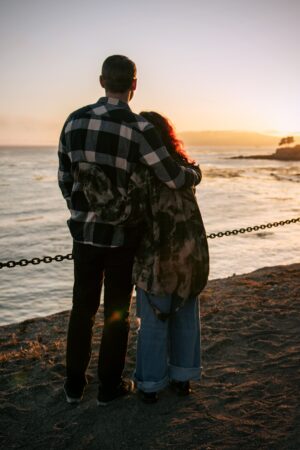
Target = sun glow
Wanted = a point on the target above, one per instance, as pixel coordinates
(287, 121)
(286, 133)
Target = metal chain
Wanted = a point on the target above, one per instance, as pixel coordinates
(255, 228)
(59, 258)
(24, 262)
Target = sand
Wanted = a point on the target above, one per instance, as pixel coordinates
(248, 397)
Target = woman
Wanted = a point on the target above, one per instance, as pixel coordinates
(171, 269)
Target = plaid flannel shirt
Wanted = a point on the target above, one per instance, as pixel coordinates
(108, 133)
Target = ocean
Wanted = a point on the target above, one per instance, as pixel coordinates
(234, 193)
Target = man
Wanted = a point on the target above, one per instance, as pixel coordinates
(110, 135)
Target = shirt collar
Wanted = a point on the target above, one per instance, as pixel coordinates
(113, 102)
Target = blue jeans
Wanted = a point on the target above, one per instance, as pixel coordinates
(170, 349)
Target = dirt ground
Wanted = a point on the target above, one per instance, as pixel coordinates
(248, 397)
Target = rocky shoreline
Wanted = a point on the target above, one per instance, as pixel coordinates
(248, 397)
(281, 154)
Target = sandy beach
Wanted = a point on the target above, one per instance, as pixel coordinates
(248, 397)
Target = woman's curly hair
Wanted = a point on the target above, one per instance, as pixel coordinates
(168, 135)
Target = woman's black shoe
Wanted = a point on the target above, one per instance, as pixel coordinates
(181, 387)
(148, 397)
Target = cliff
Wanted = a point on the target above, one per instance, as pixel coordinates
(288, 153)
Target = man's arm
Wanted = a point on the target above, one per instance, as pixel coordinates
(65, 177)
(154, 154)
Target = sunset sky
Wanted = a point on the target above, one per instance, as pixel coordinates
(208, 65)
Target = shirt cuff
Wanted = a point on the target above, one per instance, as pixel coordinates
(196, 173)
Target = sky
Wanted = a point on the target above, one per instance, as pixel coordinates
(205, 64)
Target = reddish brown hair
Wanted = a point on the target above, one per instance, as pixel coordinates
(167, 132)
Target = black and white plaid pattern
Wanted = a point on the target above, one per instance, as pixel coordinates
(110, 134)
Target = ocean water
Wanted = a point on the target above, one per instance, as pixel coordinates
(234, 193)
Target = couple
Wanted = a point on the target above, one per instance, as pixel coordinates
(128, 184)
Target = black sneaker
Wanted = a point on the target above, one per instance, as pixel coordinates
(73, 393)
(148, 397)
(181, 387)
(106, 396)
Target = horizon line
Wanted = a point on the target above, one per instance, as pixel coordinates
(273, 134)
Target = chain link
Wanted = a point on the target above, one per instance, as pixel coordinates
(48, 259)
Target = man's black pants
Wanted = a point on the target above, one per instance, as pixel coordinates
(93, 266)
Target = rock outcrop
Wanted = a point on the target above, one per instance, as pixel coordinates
(281, 154)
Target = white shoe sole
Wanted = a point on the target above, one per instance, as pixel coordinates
(72, 400)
